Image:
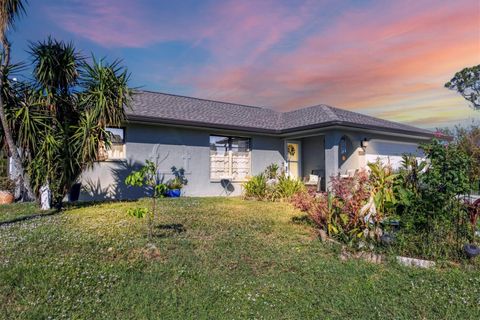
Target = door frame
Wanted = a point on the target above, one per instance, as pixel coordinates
(300, 158)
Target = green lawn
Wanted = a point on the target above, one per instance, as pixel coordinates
(18, 211)
(218, 259)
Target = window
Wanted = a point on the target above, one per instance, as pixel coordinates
(116, 150)
(229, 158)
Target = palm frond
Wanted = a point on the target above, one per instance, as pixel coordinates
(55, 66)
(105, 91)
(31, 121)
(10, 10)
(87, 139)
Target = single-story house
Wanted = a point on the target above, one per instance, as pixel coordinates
(215, 141)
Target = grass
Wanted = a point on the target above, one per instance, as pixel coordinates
(10, 212)
(217, 258)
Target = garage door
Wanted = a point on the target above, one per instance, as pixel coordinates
(390, 151)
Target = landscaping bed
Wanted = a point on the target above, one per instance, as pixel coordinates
(213, 258)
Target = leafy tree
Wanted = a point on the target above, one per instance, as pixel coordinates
(468, 140)
(467, 83)
(10, 10)
(149, 177)
(434, 219)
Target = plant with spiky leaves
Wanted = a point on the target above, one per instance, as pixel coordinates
(59, 119)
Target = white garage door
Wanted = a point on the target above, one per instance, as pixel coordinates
(390, 151)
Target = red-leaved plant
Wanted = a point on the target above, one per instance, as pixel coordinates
(339, 212)
(351, 194)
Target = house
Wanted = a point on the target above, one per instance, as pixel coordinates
(213, 141)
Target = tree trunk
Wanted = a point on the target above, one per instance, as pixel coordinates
(21, 179)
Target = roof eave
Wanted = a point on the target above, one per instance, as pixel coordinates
(357, 126)
(325, 125)
(197, 124)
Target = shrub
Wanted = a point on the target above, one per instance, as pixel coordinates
(286, 187)
(261, 187)
(468, 140)
(303, 200)
(425, 195)
(271, 172)
(435, 221)
(175, 183)
(255, 187)
(382, 184)
(342, 213)
(350, 217)
(317, 206)
(179, 176)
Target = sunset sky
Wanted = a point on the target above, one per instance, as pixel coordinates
(384, 58)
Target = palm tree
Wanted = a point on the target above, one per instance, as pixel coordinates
(58, 120)
(10, 10)
(60, 117)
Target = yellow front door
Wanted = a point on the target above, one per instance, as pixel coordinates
(293, 159)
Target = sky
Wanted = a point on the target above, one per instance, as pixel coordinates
(388, 59)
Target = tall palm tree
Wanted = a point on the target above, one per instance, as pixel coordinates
(58, 121)
(10, 10)
(60, 117)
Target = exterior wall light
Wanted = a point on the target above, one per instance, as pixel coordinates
(364, 143)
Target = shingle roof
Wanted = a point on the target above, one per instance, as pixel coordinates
(168, 108)
(178, 108)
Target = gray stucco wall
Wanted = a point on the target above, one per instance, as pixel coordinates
(313, 153)
(357, 156)
(190, 149)
(172, 146)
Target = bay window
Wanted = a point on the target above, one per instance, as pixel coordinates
(230, 158)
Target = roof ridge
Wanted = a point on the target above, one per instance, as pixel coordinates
(375, 118)
(330, 110)
(209, 100)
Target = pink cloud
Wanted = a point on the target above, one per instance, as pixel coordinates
(120, 23)
(365, 58)
(251, 27)
(240, 32)
(286, 56)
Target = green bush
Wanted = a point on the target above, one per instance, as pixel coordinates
(434, 219)
(255, 187)
(426, 196)
(382, 184)
(175, 183)
(286, 187)
(272, 171)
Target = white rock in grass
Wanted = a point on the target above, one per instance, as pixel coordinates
(411, 262)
